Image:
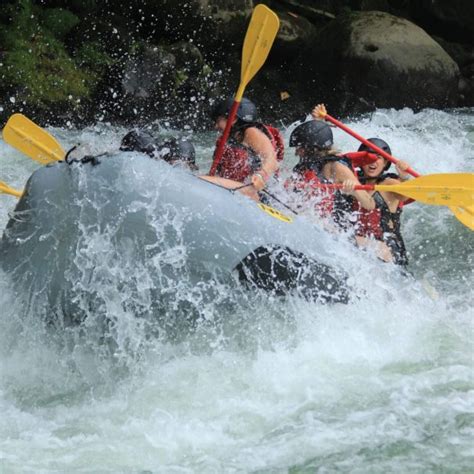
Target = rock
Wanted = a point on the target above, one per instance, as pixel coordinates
(156, 81)
(371, 5)
(214, 25)
(312, 10)
(374, 59)
(463, 54)
(452, 20)
(147, 75)
(188, 57)
(466, 91)
(294, 33)
(89, 60)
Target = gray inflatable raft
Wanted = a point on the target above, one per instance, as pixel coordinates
(125, 218)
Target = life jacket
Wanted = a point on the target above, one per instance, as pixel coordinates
(382, 224)
(307, 178)
(276, 138)
(239, 161)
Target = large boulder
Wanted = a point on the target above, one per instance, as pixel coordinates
(453, 20)
(294, 33)
(313, 10)
(463, 54)
(374, 59)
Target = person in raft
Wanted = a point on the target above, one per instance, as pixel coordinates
(177, 152)
(320, 164)
(381, 224)
(253, 149)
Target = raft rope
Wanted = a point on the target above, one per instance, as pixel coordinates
(66, 158)
(231, 190)
(272, 196)
(93, 159)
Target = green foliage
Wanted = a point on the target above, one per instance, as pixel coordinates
(90, 55)
(181, 77)
(206, 70)
(59, 21)
(36, 66)
(22, 22)
(83, 6)
(43, 72)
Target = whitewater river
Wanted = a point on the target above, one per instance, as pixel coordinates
(384, 384)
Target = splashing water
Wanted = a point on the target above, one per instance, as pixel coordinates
(250, 383)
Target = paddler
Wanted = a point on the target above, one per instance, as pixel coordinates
(381, 224)
(320, 163)
(253, 149)
(175, 151)
(179, 152)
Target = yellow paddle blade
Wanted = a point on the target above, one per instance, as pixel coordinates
(445, 189)
(258, 41)
(24, 135)
(465, 215)
(4, 188)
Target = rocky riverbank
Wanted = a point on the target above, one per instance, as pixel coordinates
(81, 61)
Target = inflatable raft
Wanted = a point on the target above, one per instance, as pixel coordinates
(142, 226)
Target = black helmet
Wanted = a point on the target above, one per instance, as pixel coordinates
(247, 111)
(181, 149)
(382, 144)
(138, 140)
(312, 134)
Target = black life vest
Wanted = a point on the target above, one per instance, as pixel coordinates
(380, 223)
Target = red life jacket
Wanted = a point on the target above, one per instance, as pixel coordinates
(239, 161)
(307, 179)
(308, 183)
(276, 138)
(368, 222)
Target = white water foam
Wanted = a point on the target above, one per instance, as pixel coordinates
(381, 385)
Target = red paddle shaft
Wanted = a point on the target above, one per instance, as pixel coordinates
(223, 140)
(378, 150)
(357, 187)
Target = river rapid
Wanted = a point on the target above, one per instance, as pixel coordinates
(384, 384)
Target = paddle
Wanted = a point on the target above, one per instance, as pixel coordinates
(456, 189)
(24, 135)
(366, 142)
(259, 38)
(464, 214)
(5, 189)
